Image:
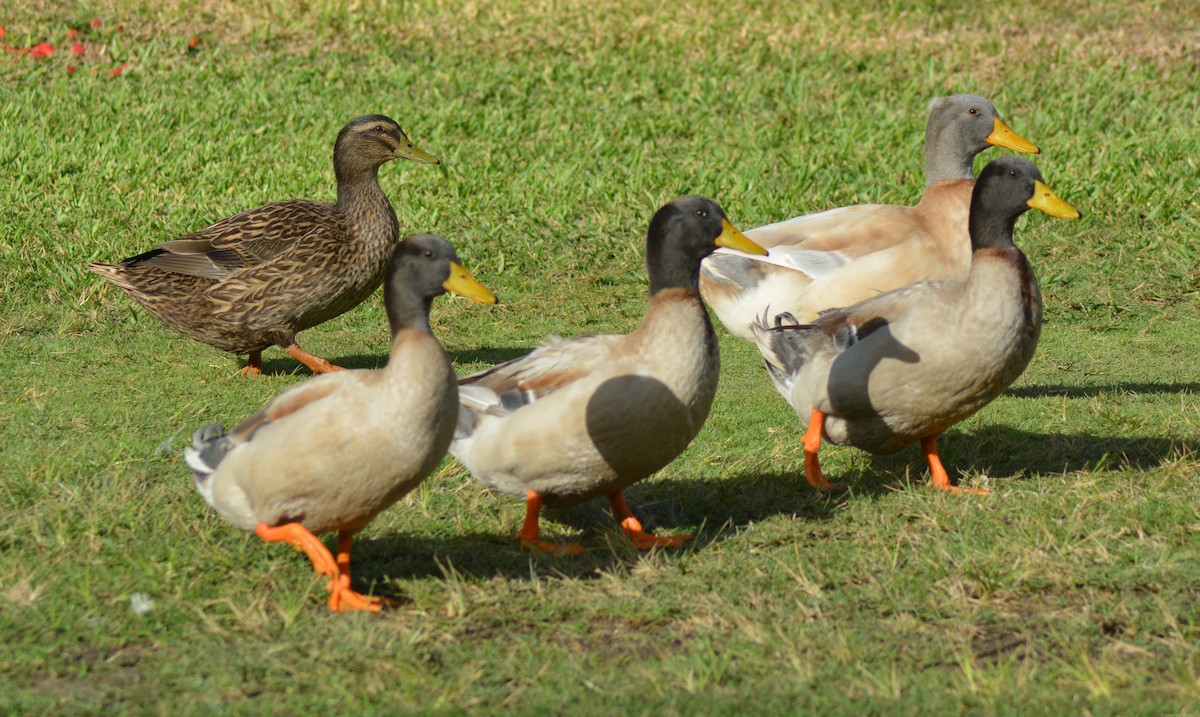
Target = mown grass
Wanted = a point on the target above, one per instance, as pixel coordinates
(562, 126)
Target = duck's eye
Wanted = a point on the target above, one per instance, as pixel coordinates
(701, 213)
(973, 111)
(378, 128)
(429, 253)
(1012, 172)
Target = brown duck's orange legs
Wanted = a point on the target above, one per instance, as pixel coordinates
(633, 527)
(529, 535)
(253, 364)
(316, 363)
(812, 444)
(341, 597)
(937, 471)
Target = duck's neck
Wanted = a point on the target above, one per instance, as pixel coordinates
(990, 230)
(670, 273)
(407, 311)
(944, 157)
(356, 185)
(370, 220)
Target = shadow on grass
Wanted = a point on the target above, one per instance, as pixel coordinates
(283, 365)
(1093, 391)
(720, 506)
(1006, 452)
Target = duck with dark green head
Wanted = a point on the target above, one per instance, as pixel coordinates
(591, 416)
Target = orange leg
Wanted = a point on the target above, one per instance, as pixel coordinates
(529, 535)
(341, 597)
(253, 364)
(300, 539)
(812, 444)
(633, 527)
(316, 363)
(937, 471)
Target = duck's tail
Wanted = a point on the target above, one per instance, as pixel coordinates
(785, 346)
(210, 445)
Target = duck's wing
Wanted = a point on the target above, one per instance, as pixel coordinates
(558, 363)
(251, 238)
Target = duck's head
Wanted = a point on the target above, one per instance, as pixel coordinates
(367, 142)
(682, 233)
(422, 268)
(1007, 188)
(960, 127)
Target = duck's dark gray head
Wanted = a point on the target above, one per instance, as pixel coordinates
(682, 233)
(960, 127)
(369, 141)
(422, 268)
(1007, 188)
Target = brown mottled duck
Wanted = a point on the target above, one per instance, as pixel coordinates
(258, 278)
(333, 452)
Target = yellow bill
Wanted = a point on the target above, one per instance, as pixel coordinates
(731, 238)
(1050, 203)
(408, 150)
(462, 283)
(1003, 136)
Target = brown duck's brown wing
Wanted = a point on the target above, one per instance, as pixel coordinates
(248, 239)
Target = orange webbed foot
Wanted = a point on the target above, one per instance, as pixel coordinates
(634, 530)
(343, 599)
(937, 472)
(530, 535)
(253, 365)
(551, 548)
(646, 541)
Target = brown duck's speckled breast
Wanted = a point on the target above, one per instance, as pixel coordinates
(339, 262)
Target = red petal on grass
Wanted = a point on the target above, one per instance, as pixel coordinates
(120, 28)
(192, 45)
(116, 71)
(1, 31)
(77, 48)
(42, 50)
(95, 22)
(70, 69)
(72, 34)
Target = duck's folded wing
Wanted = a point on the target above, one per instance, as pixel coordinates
(288, 403)
(849, 325)
(249, 239)
(557, 364)
(851, 232)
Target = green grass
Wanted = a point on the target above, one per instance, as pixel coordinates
(562, 126)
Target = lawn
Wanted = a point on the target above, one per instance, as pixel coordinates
(561, 126)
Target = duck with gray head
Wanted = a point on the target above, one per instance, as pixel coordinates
(842, 256)
(333, 452)
(905, 366)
